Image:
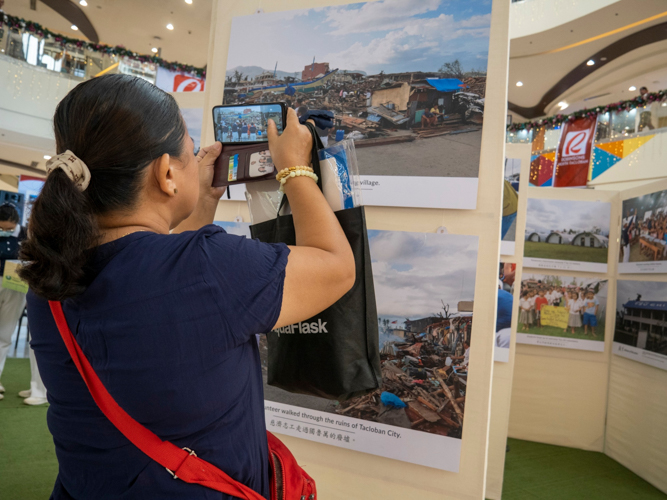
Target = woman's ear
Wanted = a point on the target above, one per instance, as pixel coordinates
(164, 174)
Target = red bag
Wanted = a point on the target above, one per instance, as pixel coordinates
(288, 480)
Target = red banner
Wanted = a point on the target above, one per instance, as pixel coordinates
(574, 153)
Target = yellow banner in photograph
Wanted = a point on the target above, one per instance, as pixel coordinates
(554, 316)
(11, 280)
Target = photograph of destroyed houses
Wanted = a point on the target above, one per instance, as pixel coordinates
(424, 287)
(406, 80)
(567, 234)
(562, 306)
(644, 233)
(641, 322)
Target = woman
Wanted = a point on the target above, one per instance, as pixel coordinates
(12, 302)
(168, 321)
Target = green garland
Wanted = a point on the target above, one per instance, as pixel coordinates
(38, 30)
(552, 121)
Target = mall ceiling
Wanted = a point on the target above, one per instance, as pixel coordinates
(138, 25)
(626, 42)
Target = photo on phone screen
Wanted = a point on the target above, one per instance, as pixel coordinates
(245, 123)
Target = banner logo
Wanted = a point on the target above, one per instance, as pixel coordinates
(576, 142)
(183, 83)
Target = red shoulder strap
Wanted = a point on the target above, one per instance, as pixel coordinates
(183, 464)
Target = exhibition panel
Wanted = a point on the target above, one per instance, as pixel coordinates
(337, 469)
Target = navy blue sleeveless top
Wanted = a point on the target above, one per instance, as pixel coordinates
(168, 323)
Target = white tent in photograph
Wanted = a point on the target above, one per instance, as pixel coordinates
(538, 237)
(559, 238)
(590, 240)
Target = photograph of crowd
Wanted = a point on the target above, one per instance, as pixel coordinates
(567, 230)
(644, 229)
(245, 124)
(641, 319)
(424, 287)
(563, 306)
(510, 205)
(406, 80)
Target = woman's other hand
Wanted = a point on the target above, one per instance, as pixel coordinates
(293, 147)
(206, 159)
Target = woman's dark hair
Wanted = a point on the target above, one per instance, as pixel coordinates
(117, 125)
(9, 213)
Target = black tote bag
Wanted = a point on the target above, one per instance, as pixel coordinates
(334, 354)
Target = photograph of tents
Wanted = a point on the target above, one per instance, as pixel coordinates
(406, 80)
(560, 233)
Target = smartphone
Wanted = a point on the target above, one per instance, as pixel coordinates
(247, 123)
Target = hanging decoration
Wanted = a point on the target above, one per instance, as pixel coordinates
(36, 29)
(592, 113)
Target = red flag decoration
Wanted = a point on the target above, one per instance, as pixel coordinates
(574, 153)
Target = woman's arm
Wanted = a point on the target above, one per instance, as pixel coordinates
(321, 267)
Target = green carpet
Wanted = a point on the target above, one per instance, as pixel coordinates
(540, 471)
(533, 471)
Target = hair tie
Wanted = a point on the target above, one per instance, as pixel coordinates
(72, 165)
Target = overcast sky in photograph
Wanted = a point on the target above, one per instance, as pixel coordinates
(414, 271)
(556, 215)
(391, 36)
(649, 290)
(238, 228)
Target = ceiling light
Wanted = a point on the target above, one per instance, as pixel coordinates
(590, 62)
(170, 26)
(632, 89)
(47, 157)
(74, 27)
(83, 3)
(562, 105)
(189, 2)
(519, 84)
(154, 50)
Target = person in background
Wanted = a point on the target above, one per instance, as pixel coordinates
(253, 131)
(301, 110)
(428, 118)
(235, 131)
(524, 308)
(590, 308)
(625, 242)
(574, 307)
(12, 302)
(244, 131)
(540, 301)
(645, 114)
(465, 358)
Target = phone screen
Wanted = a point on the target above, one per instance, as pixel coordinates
(246, 122)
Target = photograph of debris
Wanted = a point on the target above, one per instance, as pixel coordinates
(567, 235)
(644, 234)
(562, 311)
(510, 205)
(406, 80)
(424, 287)
(641, 322)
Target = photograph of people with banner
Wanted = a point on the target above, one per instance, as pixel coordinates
(424, 288)
(562, 311)
(644, 234)
(567, 235)
(641, 330)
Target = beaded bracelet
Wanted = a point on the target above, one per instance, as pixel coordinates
(296, 173)
(286, 171)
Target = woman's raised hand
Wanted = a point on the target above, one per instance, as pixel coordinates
(293, 147)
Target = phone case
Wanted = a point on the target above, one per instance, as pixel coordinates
(243, 164)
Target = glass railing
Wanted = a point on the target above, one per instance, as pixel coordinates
(612, 126)
(78, 63)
